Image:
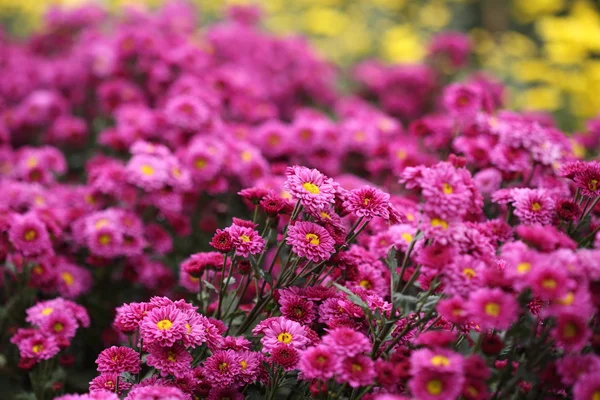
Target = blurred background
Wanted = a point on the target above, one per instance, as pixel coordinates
(546, 51)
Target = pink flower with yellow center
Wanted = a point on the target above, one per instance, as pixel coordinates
(311, 241)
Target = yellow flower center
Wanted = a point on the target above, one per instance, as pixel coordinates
(596, 395)
(273, 139)
(523, 267)
(366, 201)
(104, 239)
(68, 278)
(472, 391)
(325, 215)
(365, 284)
(244, 364)
(58, 327)
(176, 172)
(434, 387)
(447, 188)
(439, 222)
(245, 238)
(188, 327)
(284, 337)
(469, 273)
(440, 361)
(570, 331)
(593, 185)
(171, 356)
(313, 239)
(492, 309)
(37, 348)
(31, 162)
(357, 368)
(401, 154)
(147, 170)
(407, 237)
(568, 299)
(410, 217)
(223, 366)
(311, 188)
(200, 163)
(549, 284)
(164, 324)
(102, 222)
(360, 136)
(246, 156)
(38, 270)
(47, 311)
(536, 206)
(30, 235)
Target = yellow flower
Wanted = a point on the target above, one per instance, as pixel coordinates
(545, 98)
(325, 21)
(401, 44)
(434, 15)
(527, 10)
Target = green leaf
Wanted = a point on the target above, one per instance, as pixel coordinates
(210, 286)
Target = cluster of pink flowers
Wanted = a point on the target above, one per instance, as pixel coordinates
(54, 324)
(411, 240)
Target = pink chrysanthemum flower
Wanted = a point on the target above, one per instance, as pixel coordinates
(492, 308)
(356, 371)
(157, 392)
(368, 202)
(187, 112)
(38, 347)
(28, 235)
(286, 356)
(571, 331)
(163, 325)
(130, 315)
(448, 191)
(174, 360)
(533, 206)
(587, 386)
(427, 385)
(296, 308)
(440, 360)
(549, 282)
(108, 381)
(311, 241)
(281, 330)
(118, 359)
(314, 190)
(148, 172)
(197, 263)
(246, 240)
(225, 393)
(72, 280)
(318, 363)
(571, 367)
(223, 368)
(195, 329)
(588, 180)
(346, 342)
(463, 99)
(251, 364)
(59, 323)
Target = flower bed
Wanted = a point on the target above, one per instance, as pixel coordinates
(192, 214)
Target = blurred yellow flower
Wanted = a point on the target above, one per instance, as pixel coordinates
(546, 98)
(401, 44)
(324, 21)
(527, 10)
